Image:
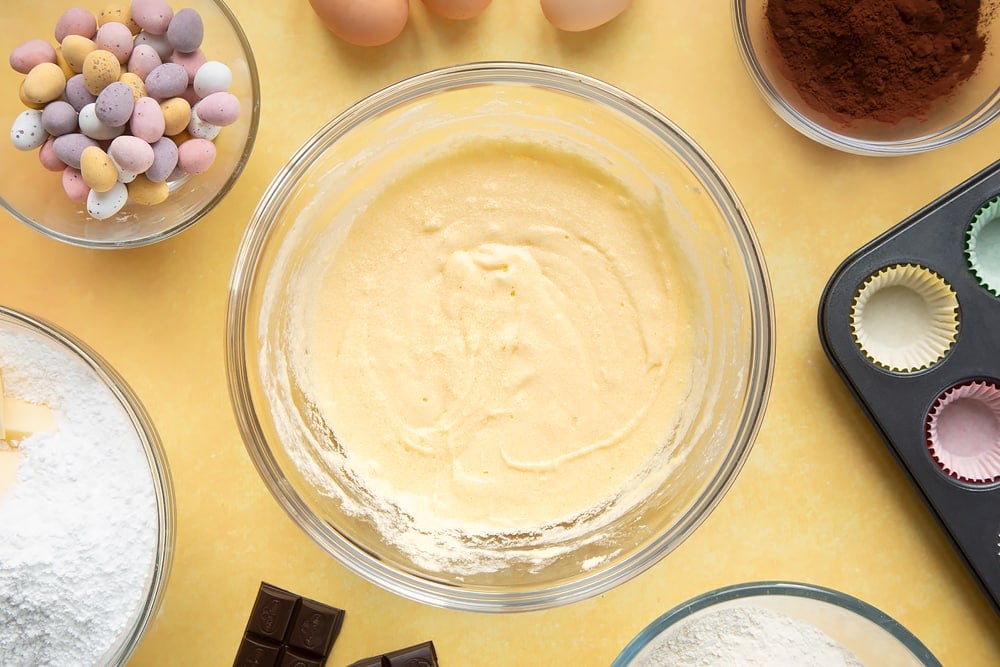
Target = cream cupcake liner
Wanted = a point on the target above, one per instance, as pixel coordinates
(963, 432)
(982, 246)
(904, 318)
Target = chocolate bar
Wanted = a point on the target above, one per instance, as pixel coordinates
(419, 655)
(288, 630)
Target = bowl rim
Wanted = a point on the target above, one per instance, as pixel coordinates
(432, 590)
(156, 458)
(775, 588)
(208, 206)
(976, 120)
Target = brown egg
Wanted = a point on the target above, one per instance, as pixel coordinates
(457, 9)
(363, 22)
(579, 15)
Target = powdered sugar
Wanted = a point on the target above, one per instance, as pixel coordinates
(746, 637)
(78, 529)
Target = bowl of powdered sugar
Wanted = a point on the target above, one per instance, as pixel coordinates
(775, 623)
(883, 77)
(86, 503)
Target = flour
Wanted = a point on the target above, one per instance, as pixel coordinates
(78, 529)
(745, 637)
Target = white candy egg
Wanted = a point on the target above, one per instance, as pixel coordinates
(103, 205)
(579, 15)
(92, 126)
(27, 133)
(212, 77)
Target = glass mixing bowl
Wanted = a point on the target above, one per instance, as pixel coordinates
(134, 625)
(975, 104)
(337, 171)
(35, 196)
(871, 635)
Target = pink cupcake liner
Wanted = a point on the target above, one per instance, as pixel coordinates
(963, 432)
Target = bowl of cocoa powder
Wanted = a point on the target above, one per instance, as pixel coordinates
(881, 77)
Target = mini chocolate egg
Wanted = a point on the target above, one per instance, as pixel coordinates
(164, 160)
(212, 77)
(144, 59)
(191, 62)
(197, 127)
(369, 23)
(131, 154)
(118, 14)
(75, 49)
(153, 16)
(114, 105)
(146, 192)
(74, 186)
(135, 83)
(75, 21)
(176, 115)
(47, 156)
(76, 92)
(27, 133)
(219, 109)
(103, 205)
(59, 118)
(28, 54)
(98, 170)
(186, 30)
(94, 127)
(44, 83)
(69, 148)
(579, 15)
(100, 68)
(167, 80)
(116, 38)
(159, 43)
(38, 106)
(457, 9)
(147, 120)
(195, 156)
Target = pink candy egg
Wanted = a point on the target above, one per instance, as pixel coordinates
(167, 80)
(147, 120)
(144, 59)
(28, 54)
(47, 156)
(116, 38)
(76, 21)
(131, 154)
(195, 156)
(74, 186)
(153, 16)
(219, 109)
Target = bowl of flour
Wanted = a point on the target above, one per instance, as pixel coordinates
(86, 503)
(775, 623)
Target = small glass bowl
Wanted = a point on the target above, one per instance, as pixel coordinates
(973, 106)
(134, 628)
(334, 171)
(34, 195)
(874, 637)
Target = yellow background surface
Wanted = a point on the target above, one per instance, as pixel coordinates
(820, 499)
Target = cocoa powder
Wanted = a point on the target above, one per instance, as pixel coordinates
(884, 60)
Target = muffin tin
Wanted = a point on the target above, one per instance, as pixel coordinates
(909, 321)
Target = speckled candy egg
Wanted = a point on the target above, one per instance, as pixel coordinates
(131, 154)
(116, 13)
(186, 30)
(74, 186)
(164, 160)
(147, 121)
(69, 148)
(158, 43)
(176, 115)
(27, 133)
(191, 62)
(94, 127)
(219, 109)
(146, 192)
(212, 77)
(144, 59)
(153, 16)
(98, 170)
(167, 80)
(135, 84)
(100, 69)
(27, 54)
(116, 38)
(200, 128)
(44, 83)
(114, 105)
(103, 205)
(195, 156)
(77, 94)
(74, 50)
(59, 118)
(75, 21)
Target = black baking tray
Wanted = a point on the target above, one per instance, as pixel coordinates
(897, 404)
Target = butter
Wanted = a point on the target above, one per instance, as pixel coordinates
(19, 419)
(9, 458)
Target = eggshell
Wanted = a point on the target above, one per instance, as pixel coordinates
(27, 54)
(75, 21)
(186, 30)
(144, 59)
(147, 120)
(114, 105)
(363, 22)
(131, 154)
(26, 132)
(153, 16)
(74, 186)
(77, 94)
(580, 15)
(44, 83)
(219, 109)
(94, 127)
(98, 170)
(164, 160)
(75, 49)
(457, 9)
(59, 118)
(197, 127)
(212, 77)
(195, 156)
(47, 156)
(100, 68)
(69, 148)
(167, 80)
(176, 115)
(103, 205)
(116, 38)
(148, 193)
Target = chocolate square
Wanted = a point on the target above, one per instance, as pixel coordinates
(272, 612)
(420, 655)
(315, 627)
(255, 652)
(290, 658)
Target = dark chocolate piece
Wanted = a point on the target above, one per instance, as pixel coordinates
(419, 655)
(288, 630)
(374, 661)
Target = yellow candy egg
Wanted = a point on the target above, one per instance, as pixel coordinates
(44, 83)
(118, 14)
(146, 192)
(75, 49)
(135, 82)
(98, 171)
(176, 115)
(25, 101)
(100, 69)
(368, 23)
(61, 61)
(579, 15)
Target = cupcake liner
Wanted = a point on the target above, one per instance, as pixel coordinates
(904, 318)
(963, 432)
(982, 246)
